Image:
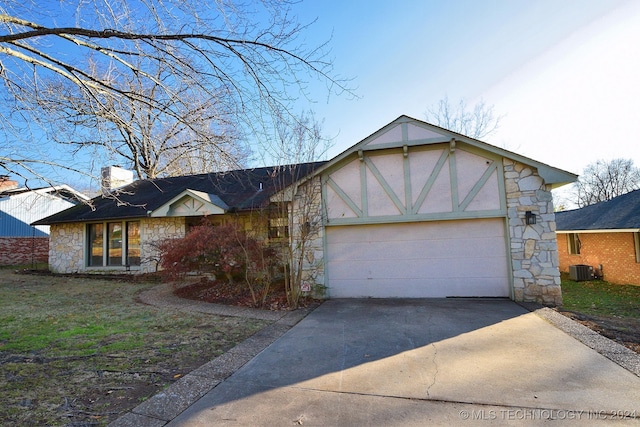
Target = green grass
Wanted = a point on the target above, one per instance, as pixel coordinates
(597, 297)
(78, 350)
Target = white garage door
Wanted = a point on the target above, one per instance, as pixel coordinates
(418, 260)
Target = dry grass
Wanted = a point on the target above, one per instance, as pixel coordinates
(79, 351)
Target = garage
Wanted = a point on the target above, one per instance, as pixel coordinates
(417, 211)
(434, 259)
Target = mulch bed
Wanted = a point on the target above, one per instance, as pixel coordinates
(221, 292)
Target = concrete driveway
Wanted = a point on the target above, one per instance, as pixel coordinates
(418, 362)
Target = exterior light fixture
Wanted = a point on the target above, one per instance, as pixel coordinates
(529, 218)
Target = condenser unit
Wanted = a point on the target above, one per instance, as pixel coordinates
(580, 272)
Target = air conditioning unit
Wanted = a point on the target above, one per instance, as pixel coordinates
(580, 272)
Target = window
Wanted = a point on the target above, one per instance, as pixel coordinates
(114, 248)
(573, 241)
(114, 244)
(133, 243)
(96, 244)
(636, 241)
(278, 228)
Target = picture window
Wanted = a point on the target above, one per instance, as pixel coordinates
(113, 244)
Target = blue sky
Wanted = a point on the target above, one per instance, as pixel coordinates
(565, 74)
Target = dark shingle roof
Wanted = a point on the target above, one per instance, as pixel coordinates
(241, 190)
(622, 212)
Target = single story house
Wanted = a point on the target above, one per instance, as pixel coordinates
(604, 236)
(413, 210)
(21, 243)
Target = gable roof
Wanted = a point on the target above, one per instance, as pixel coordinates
(19, 207)
(407, 131)
(61, 191)
(196, 203)
(231, 191)
(617, 214)
(241, 190)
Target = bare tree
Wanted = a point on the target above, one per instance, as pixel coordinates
(246, 59)
(192, 134)
(604, 180)
(477, 122)
(298, 206)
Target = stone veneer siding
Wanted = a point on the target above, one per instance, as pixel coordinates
(152, 231)
(66, 253)
(534, 249)
(67, 245)
(307, 209)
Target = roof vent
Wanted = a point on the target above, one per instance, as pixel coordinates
(114, 177)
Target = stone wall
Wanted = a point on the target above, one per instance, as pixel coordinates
(306, 218)
(66, 253)
(534, 250)
(152, 231)
(23, 250)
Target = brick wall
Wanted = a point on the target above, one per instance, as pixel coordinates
(23, 250)
(615, 251)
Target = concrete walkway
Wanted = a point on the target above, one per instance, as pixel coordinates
(405, 362)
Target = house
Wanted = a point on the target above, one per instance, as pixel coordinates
(413, 210)
(119, 229)
(21, 243)
(604, 236)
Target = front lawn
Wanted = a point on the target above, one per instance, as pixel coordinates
(597, 297)
(78, 351)
(612, 310)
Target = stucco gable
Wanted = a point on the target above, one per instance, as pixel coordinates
(405, 132)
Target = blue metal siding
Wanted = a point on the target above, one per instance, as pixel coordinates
(11, 226)
(19, 211)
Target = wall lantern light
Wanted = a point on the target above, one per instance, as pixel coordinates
(530, 218)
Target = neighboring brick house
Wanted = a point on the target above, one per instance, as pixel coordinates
(20, 242)
(413, 210)
(604, 236)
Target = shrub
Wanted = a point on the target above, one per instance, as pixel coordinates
(225, 251)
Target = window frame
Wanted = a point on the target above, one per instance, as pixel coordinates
(123, 248)
(278, 228)
(573, 244)
(636, 244)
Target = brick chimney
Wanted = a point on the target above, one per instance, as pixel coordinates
(7, 184)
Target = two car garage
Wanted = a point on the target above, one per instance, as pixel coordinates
(457, 258)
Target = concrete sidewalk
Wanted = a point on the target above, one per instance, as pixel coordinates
(410, 362)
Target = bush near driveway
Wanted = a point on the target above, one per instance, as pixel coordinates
(83, 351)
